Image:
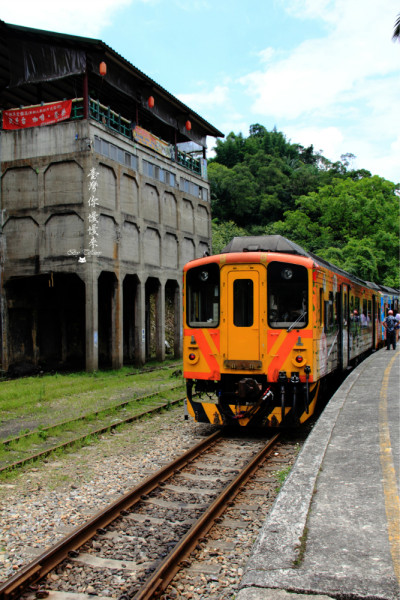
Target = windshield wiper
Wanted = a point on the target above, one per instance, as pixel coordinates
(300, 318)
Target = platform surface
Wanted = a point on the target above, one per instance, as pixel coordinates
(334, 529)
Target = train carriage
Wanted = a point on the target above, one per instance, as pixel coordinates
(264, 323)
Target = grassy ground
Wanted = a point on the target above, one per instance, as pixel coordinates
(35, 402)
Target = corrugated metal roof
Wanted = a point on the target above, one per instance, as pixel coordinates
(99, 45)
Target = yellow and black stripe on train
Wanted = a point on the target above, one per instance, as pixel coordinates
(264, 323)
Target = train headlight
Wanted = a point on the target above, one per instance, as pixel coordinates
(287, 273)
(299, 359)
(203, 276)
(192, 356)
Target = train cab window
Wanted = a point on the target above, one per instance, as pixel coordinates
(287, 295)
(243, 303)
(202, 296)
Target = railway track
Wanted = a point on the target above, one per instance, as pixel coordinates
(91, 430)
(134, 548)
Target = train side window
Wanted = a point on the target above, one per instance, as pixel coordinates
(243, 295)
(287, 295)
(202, 296)
(321, 306)
(328, 313)
(365, 321)
(338, 308)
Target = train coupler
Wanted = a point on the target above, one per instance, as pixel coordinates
(282, 379)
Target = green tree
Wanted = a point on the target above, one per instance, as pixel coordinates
(261, 176)
(352, 223)
(222, 233)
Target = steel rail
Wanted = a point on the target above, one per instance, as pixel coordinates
(85, 417)
(95, 432)
(167, 570)
(47, 561)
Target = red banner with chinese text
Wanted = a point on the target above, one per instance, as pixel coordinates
(37, 116)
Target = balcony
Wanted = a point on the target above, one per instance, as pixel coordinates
(119, 124)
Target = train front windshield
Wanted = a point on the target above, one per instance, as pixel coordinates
(202, 296)
(287, 286)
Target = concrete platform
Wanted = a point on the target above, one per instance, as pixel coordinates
(334, 529)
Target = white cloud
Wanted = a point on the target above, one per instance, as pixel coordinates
(339, 91)
(308, 9)
(74, 17)
(200, 101)
(327, 139)
(320, 71)
(266, 55)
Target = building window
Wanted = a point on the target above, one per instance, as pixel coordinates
(192, 188)
(115, 153)
(156, 172)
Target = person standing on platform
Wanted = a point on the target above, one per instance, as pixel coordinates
(397, 317)
(391, 325)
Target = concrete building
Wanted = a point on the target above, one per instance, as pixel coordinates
(104, 197)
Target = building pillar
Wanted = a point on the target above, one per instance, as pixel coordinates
(178, 337)
(117, 354)
(35, 328)
(140, 324)
(160, 322)
(92, 319)
(4, 328)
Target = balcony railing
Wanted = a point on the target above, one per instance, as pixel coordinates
(116, 122)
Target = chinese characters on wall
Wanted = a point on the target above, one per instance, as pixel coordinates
(93, 217)
(92, 220)
(37, 116)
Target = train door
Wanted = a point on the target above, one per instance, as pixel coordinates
(241, 311)
(344, 318)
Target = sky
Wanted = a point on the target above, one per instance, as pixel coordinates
(323, 72)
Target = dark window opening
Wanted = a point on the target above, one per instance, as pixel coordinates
(243, 295)
(202, 298)
(287, 295)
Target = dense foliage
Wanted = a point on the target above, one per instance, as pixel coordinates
(264, 184)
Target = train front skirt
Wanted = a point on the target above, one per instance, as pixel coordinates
(276, 410)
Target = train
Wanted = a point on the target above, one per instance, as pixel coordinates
(265, 323)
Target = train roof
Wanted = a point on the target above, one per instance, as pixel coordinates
(278, 243)
(263, 243)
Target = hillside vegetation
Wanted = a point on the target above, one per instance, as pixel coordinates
(264, 184)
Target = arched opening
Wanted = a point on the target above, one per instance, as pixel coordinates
(106, 291)
(152, 318)
(130, 286)
(45, 323)
(172, 319)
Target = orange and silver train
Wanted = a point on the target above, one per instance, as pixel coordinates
(265, 322)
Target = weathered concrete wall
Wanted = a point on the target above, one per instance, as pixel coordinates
(145, 226)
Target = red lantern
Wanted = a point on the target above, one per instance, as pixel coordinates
(188, 125)
(103, 69)
(150, 102)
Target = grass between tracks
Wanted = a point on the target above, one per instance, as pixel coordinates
(35, 394)
(31, 404)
